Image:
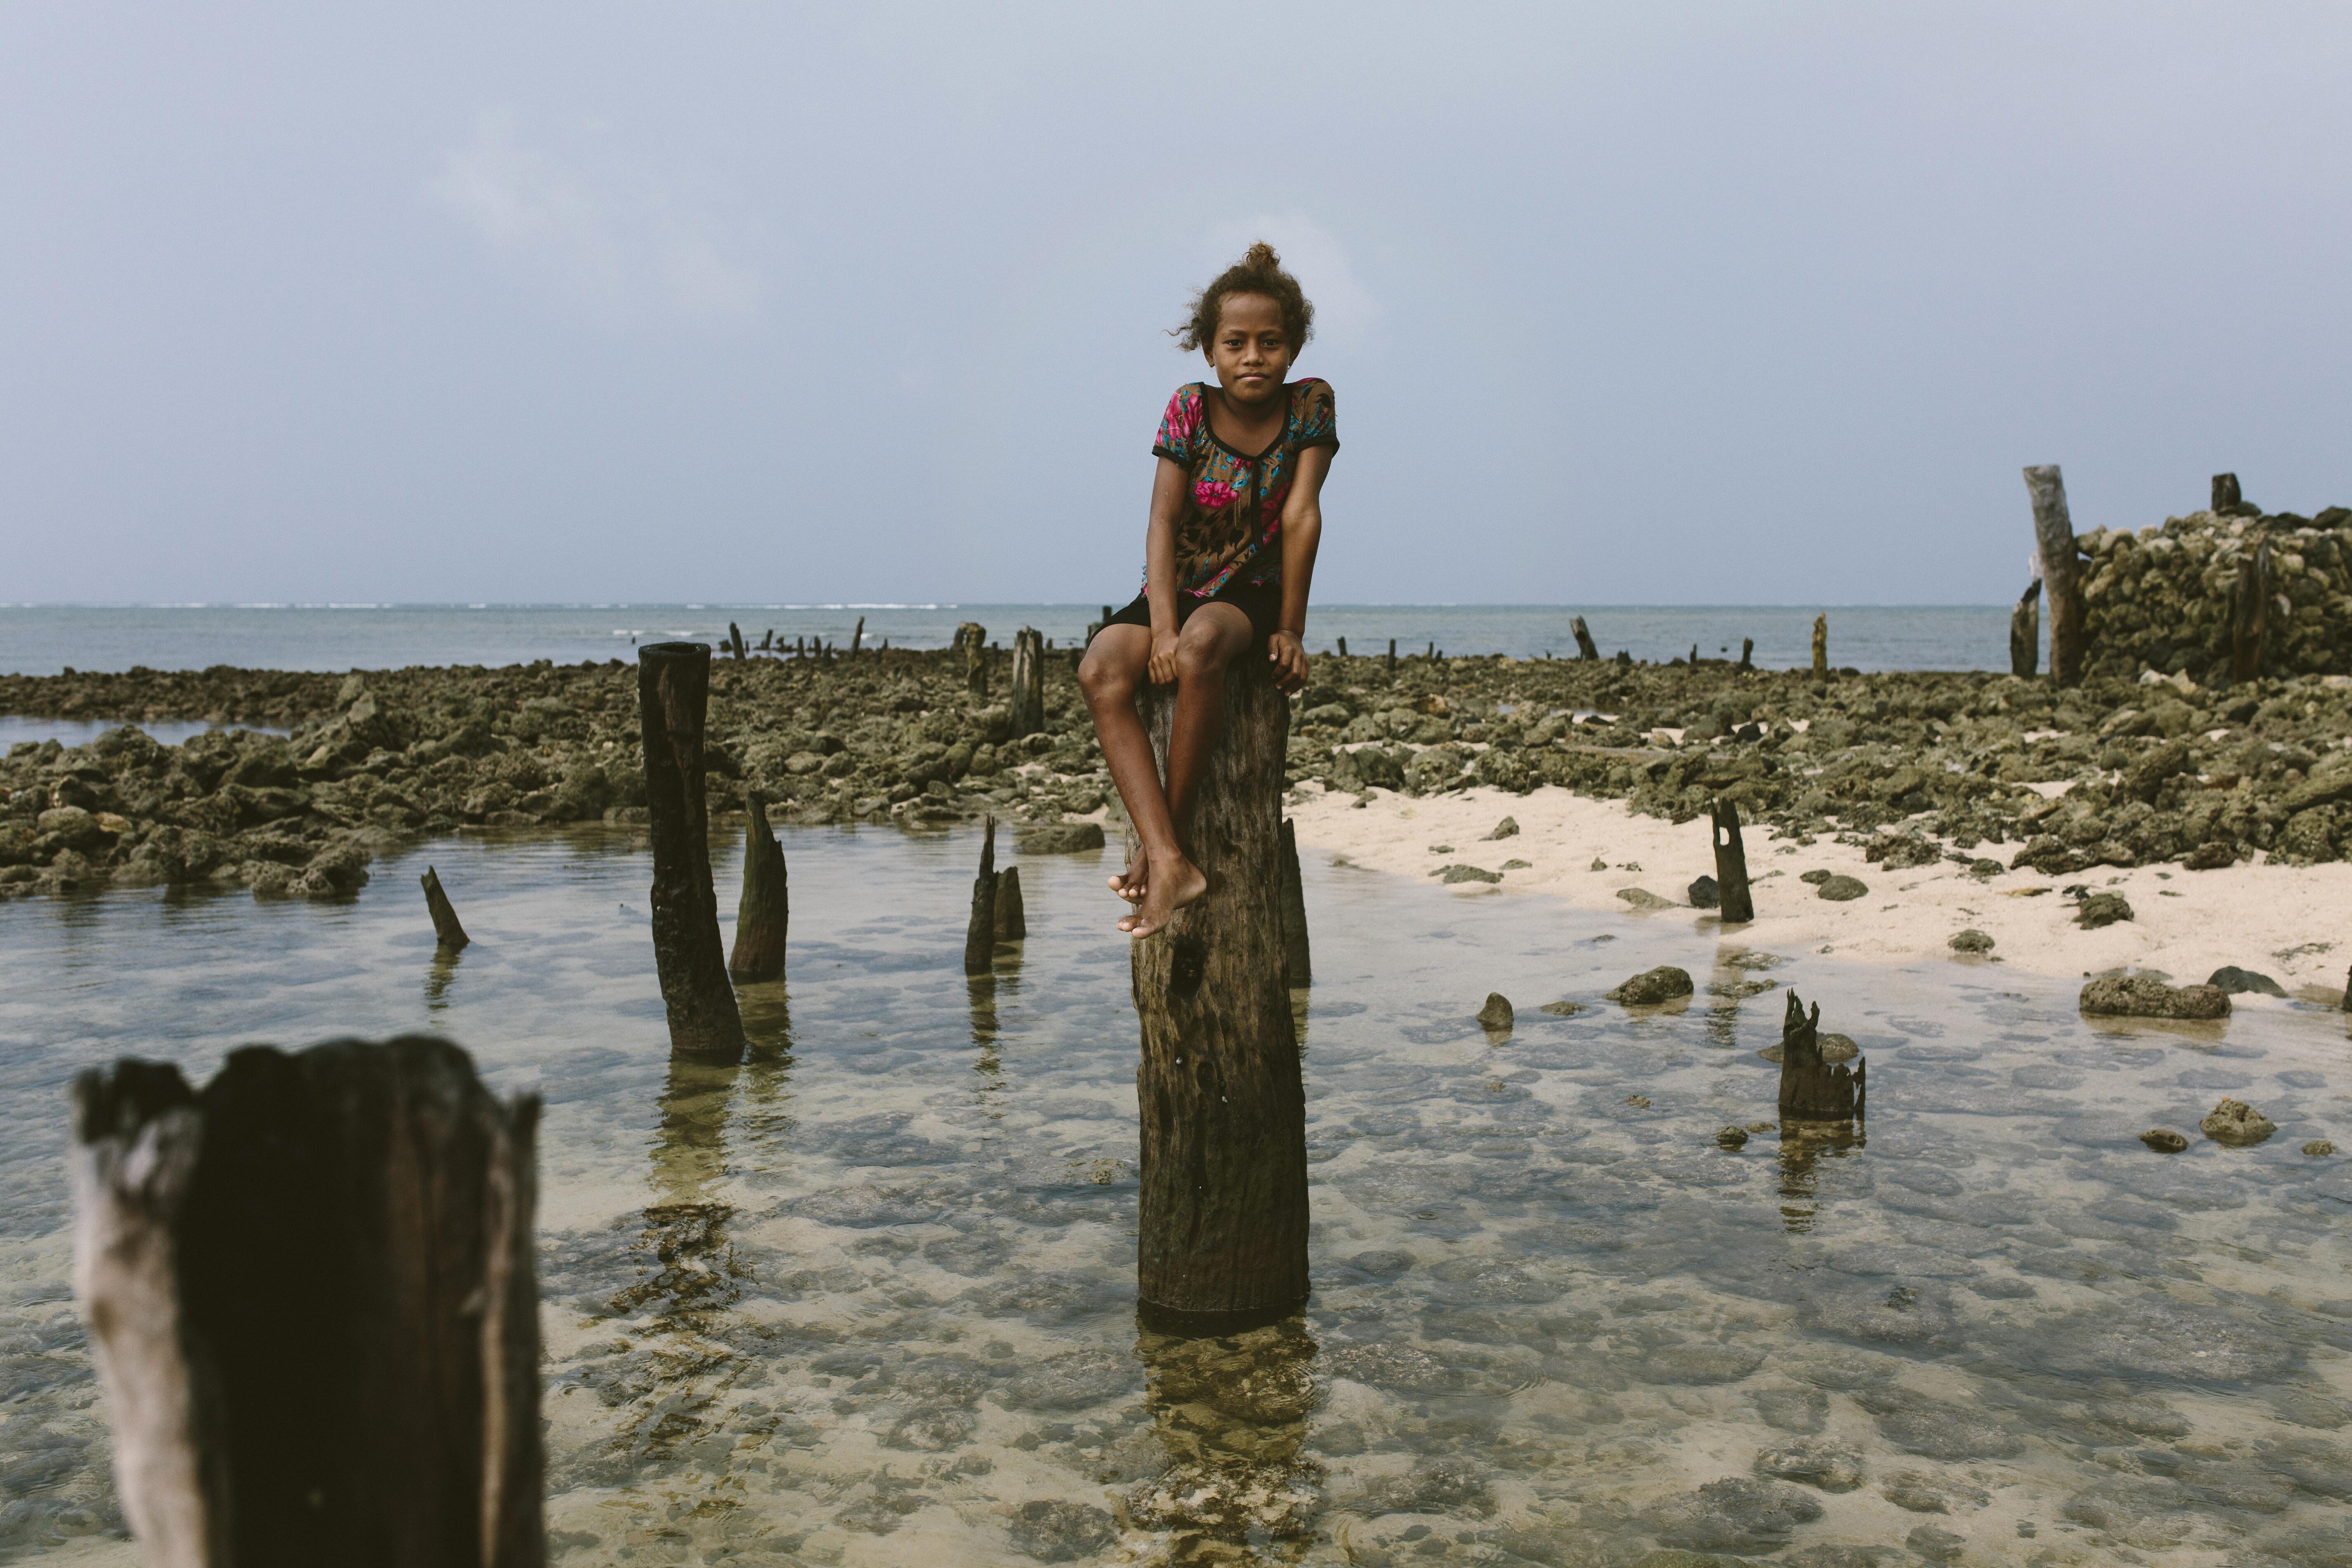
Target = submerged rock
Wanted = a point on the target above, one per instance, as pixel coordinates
(1831, 1466)
(2237, 981)
(1736, 1514)
(1052, 1530)
(1496, 1017)
(1058, 837)
(2236, 1123)
(2164, 1141)
(1647, 989)
(1916, 1492)
(2142, 996)
(1732, 1137)
(2319, 1148)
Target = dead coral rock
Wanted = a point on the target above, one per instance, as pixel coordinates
(1642, 898)
(1843, 890)
(1496, 1017)
(2140, 997)
(1971, 941)
(2237, 981)
(2319, 1148)
(2164, 1141)
(2236, 1123)
(2102, 909)
(1663, 983)
(2211, 856)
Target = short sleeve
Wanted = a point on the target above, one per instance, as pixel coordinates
(1180, 425)
(1318, 419)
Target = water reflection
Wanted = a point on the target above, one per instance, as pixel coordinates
(438, 974)
(1230, 1415)
(1803, 1146)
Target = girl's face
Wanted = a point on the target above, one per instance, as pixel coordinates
(1251, 352)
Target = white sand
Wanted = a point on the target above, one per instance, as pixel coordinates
(2292, 923)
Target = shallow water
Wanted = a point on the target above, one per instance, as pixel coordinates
(868, 1298)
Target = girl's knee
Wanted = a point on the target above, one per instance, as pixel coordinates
(1198, 656)
(1103, 677)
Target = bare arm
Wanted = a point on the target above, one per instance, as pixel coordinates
(1302, 531)
(1160, 567)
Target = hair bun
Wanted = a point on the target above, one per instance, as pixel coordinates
(1261, 254)
(1259, 271)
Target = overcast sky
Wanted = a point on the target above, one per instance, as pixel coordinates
(1650, 303)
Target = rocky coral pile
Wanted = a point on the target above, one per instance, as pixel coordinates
(1916, 767)
(2162, 598)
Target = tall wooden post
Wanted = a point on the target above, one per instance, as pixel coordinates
(446, 931)
(1028, 694)
(2025, 631)
(1821, 647)
(309, 1292)
(2250, 613)
(2053, 534)
(1391, 656)
(1585, 646)
(1222, 1224)
(979, 931)
(1297, 962)
(673, 695)
(764, 912)
(1730, 863)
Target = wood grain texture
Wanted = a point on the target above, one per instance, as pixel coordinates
(1222, 1222)
(764, 912)
(311, 1296)
(1810, 1089)
(2054, 535)
(673, 697)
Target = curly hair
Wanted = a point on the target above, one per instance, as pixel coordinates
(1259, 272)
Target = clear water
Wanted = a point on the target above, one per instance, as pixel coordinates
(41, 639)
(868, 1298)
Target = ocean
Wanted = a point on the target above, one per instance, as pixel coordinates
(45, 639)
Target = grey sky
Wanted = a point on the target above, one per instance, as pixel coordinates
(1639, 303)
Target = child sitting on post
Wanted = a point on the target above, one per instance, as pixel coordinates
(1228, 556)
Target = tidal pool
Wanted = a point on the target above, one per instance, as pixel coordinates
(868, 1298)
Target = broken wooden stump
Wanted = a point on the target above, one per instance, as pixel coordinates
(2025, 631)
(1810, 1089)
(763, 911)
(673, 697)
(1012, 917)
(451, 936)
(1297, 963)
(2053, 534)
(979, 931)
(1343, 647)
(1585, 646)
(1027, 699)
(2250, 613)
(1730, 863)
(2226, 493)
(857, 638)
(1747, 656)
(310, 1297)
(1221, 1227)
(735, 639)
(1821, 647)
(971, 639)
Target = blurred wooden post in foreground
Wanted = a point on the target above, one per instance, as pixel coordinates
(309, 1292)
(1810, 1089)
(452, 936)
(2053, 534)
(2025, 631)
(764, 912)
(1222, 1233)
(1585, 647)
(673, 695)
(1738, 904)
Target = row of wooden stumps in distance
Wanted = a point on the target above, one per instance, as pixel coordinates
(310, 1285)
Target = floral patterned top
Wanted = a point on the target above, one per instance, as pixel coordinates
(1229, 530)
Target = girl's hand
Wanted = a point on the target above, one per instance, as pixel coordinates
(1161, 670)
(1288, 657)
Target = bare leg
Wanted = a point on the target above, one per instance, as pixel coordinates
(1212, 639)
(1113, 668)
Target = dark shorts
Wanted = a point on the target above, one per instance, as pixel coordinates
(1261, 601)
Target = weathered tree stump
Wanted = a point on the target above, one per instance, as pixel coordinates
(1585, 646)
(1810, 1089)
(1732, 891)
(972, 640)
(979, 931)
(1222, 1231)
(1343, 647)
(764, 912)
(673, 695)
(1747, 656)
(2025, 631)
(309, 1291)
(2250, 613)
(2053, 534)
(735, 639)
(1821, 647)
(1297, 962)
(2226, 493)
(1028, 695)
(445, 929)
(1012, 915)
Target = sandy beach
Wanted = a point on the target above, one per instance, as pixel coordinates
(2284, 922)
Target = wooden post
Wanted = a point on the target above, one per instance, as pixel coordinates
(1391, 656)
(1028, 694)
(1297, 963)
(1812, 1089)
(979, 931)
(857, 638)
(764, 912)
(311, 1297)
(2053, 534)
(2226, 493)
(1222, 1233)
(1747, 656)
(1012, 917)
(1730, 863)
(972, 638)
(452, 936)
(673, 694)
(2250, 613)
(2025, 631)
(735, 639)
(1585, 646)
(1343, 647)
(768, 640)
(1821, 647)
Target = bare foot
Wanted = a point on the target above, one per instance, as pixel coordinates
(1172, 888)
(1131, 883)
